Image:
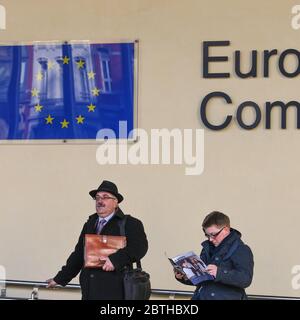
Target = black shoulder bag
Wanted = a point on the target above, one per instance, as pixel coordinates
(137, 284)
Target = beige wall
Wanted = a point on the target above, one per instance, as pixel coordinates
(253, 176)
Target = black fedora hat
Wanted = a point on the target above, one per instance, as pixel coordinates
(107, 186)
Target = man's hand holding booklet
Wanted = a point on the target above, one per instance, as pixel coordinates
(191, 266)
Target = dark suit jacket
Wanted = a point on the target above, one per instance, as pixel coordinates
(97, 284)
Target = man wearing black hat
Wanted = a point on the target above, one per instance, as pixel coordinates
(105, 283)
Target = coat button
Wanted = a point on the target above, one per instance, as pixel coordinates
(212, 294)
(216, 258)
(92, 276)
(225, 271)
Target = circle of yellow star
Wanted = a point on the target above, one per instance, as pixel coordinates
(91, 75)
(66, 60)
(80, 64)
(95, 92)
(35, 92)
(80, 119)
(39, 76)
(91, 107)
(49, 119)
(38, 108)
(64, 124)
(50, 64)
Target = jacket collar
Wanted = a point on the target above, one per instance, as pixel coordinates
(93, 220)
(223, 247)
(118, 214)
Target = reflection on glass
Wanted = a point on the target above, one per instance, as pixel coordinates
(65, 91)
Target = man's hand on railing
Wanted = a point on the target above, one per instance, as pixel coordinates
(51, 284)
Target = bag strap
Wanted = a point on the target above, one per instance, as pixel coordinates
(122, 224)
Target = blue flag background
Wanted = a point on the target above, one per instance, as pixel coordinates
(65, 91)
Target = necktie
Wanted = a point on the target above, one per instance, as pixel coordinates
(100, 225)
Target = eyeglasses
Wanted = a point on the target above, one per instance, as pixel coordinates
(214, 235)
(104, 198)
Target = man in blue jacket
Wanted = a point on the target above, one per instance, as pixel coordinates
(228, 260)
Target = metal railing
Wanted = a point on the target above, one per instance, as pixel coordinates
(171, 294)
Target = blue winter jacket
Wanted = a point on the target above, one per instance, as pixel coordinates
(235, 264)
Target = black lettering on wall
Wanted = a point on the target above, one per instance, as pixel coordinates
(253, 68)
(239, 113)
(203, 110)
(281, 63)
(267, 55)
(284, 107)
(207, 59)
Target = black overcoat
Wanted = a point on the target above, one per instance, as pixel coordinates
(97, 284)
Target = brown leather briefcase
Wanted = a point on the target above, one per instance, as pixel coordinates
(100, 245)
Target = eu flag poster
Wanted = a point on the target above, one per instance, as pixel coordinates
(66, 91)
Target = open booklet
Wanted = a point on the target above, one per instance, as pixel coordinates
(192, 266)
